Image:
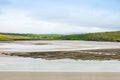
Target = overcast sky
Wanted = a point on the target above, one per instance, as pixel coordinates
(59, 16)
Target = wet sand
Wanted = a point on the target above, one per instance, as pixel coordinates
(58, 76)
(83, 50)
(99, 54)
(3, 55)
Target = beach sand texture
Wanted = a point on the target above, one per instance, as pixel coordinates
(58, 76)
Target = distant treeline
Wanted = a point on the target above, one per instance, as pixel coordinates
(101, 36)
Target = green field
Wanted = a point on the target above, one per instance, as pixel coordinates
(101, 36)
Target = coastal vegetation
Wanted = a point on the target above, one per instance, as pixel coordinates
(101, 36)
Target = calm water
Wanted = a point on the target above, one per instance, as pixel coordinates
(32, 46)
(64, 65)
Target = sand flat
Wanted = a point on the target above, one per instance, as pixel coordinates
(58, 76)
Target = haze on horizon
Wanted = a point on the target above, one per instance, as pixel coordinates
(59, 16)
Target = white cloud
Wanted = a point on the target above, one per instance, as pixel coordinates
(81, 17)
(19, 22)
(32, 18)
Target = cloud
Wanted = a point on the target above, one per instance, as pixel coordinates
(11, 22)
(51, 17)
(81, 17)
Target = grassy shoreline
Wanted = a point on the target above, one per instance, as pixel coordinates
(101, 36)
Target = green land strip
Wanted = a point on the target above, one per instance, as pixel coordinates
(100, 36)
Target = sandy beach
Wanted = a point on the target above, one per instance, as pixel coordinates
(58, 76)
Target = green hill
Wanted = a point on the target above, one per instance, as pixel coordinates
(101, 36)
(15, 36)
(12, 37)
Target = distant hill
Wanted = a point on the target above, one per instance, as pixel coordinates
(7, 37)
(101, 36)
(16, 36)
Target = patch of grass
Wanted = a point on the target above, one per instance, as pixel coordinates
(12, 37)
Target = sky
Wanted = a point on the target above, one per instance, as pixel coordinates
(59, 16)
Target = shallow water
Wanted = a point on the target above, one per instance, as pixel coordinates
(64, 65)
(30, 46)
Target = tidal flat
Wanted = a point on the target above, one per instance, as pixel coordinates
(100, 54)
(51, 50)
(59, 56)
